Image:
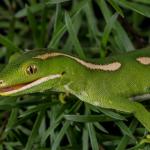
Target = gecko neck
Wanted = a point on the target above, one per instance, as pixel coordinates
(73, 81)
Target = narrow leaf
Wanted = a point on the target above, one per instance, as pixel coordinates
(34, 132)
(139, 8)
(9, 44)
(73, 35)
(60, 135)
(92, 134)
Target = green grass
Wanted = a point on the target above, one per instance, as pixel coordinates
(87, 28)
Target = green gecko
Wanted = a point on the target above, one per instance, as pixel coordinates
(110, 84)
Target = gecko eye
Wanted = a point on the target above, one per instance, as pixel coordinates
(32, 69)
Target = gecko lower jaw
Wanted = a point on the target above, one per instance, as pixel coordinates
(13, 87)
(21, 87)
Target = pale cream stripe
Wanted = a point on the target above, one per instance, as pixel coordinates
(144, 60)
(35, 83)
(105, 67)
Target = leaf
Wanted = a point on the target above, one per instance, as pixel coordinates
(35, 109)
(123, 41)
(33, 25)
(125, 139)
(143, 1)
(58, 34)
(100, 127)
(112, 114)
(33, 8)
(87, 118)
(9, 44)
(60, 135)
(92, 22)
(57, 1)
(12, 119)
(124, 129)
(92, 134)
(34, 132)
(139, 8)
(85, 139)
(108, 29)
(73, 36)
(116, 7)
(50, 129)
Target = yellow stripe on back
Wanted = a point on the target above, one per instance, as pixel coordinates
(105, 67)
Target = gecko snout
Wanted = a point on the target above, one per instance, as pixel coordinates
(1, 82)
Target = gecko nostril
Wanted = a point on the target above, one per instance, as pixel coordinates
(1, 82)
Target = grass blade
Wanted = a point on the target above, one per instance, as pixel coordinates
(124, 141)
(124, 129)
(92, 134)
(116, 7)
(33, 25)
(139, 8)
(34, 132)
(112, 114)
(88, 118)
(57, 35)
(60, 135)
(9, 44)
(73, 36)
(108, 29)
(85, 139)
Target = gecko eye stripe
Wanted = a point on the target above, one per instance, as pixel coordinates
(144, 60)
(104, 67)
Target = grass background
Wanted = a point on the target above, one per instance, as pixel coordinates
(91, 29)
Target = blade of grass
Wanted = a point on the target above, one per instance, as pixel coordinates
(73, 36)
(50, 129)
(91, 20)
(33, 25)
(143, 1)
(100, 127)
(9, 44)
(60, 135)
(112, 114)
(43, 28)
(108, 29)
(33, 8)
(71, 138)
(116, 7)
(139, 8)
(34, 132)
(124, 129)
(57, 35)
(125, 139)
(57, 1)
(12, 119)
(34, 110)
(85, 139)
(124, 41)
(68, 46)
(88, 118)
(57, 13)
(92, 134)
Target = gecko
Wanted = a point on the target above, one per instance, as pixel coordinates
(111, 83)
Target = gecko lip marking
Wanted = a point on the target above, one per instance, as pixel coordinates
(21, 87)
(144, 60)
(105, 67)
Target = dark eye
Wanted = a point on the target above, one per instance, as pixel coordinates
(32, 69)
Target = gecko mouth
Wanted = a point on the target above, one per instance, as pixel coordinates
(21, 87)
(13, 87)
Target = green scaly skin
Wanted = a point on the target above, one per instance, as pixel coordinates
(107, 89)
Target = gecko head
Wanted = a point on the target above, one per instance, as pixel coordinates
(26, 74)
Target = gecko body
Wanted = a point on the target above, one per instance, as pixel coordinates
(110, 84)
